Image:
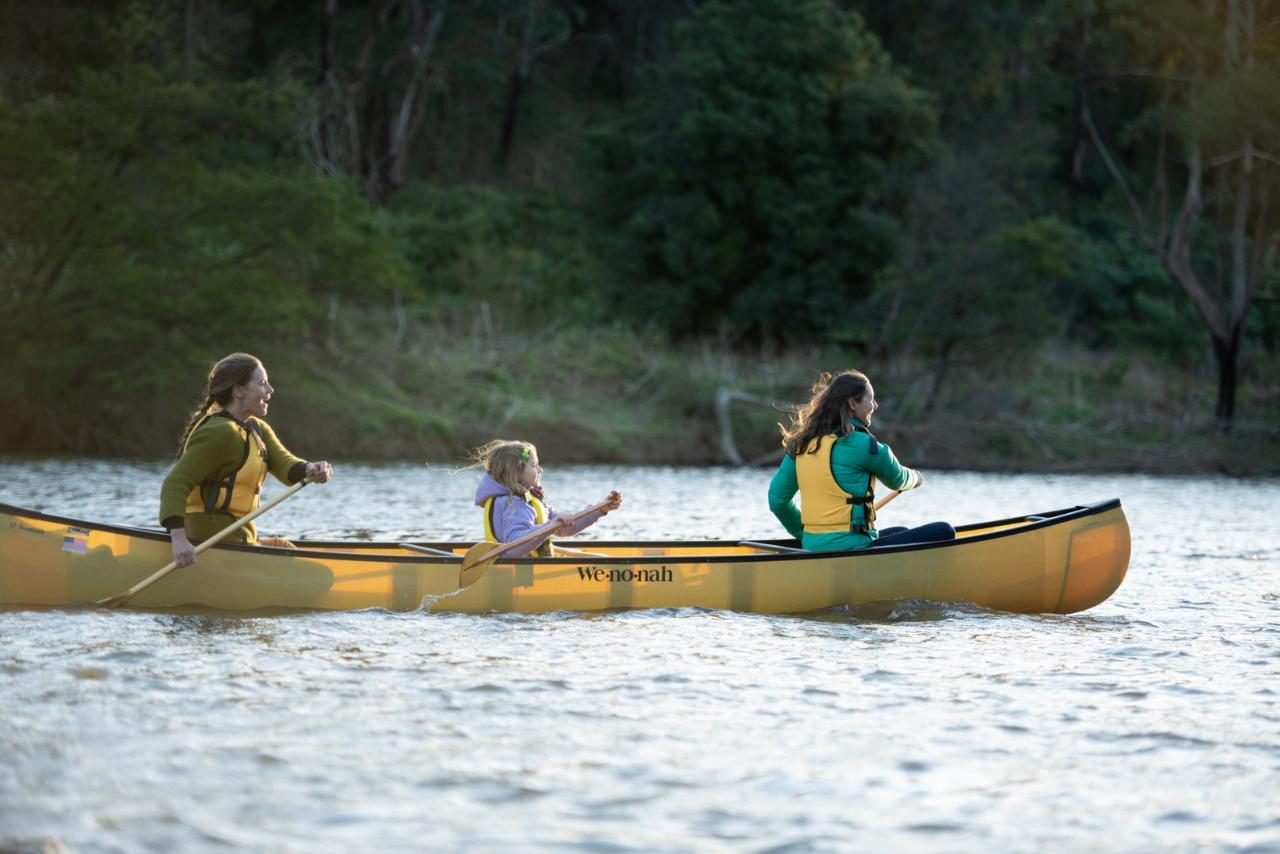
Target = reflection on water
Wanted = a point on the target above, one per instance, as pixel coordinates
(1149, 722)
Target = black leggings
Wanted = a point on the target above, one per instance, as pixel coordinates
(934, 532)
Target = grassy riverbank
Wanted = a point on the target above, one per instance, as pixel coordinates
(382, 388)
(377, 384)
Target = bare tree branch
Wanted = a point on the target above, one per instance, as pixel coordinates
(1086, 117)
(426, 32)
(1236, 155)
(1118, 73)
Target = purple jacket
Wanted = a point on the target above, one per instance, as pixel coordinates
(513, 516)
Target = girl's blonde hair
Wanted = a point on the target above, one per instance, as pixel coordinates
(504, 459)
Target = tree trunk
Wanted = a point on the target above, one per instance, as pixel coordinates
(1227, 353)
(519, 82)
(190, 13)
(328, 79)
(515, 93)
(408, 116)
(941, 369)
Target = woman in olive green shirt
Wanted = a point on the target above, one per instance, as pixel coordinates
(225, 454)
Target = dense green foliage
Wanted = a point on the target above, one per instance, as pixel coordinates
(375, 195)
(759, 180)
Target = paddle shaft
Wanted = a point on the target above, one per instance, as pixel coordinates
(471, 571)
(892, 495)
(541, 534)
(120, 598)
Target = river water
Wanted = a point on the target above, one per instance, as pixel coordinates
(1149, 723)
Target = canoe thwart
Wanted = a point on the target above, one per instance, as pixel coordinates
(769, 547)
(426, 550)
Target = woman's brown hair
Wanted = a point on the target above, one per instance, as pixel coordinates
(226, 373)
(825, 412)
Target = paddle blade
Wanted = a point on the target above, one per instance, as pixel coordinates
(476, 561)
(115, 601)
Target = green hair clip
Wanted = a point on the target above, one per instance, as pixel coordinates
(524, 455)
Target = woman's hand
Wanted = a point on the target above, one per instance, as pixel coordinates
(320, 472)
(612, 501)
(184, 554)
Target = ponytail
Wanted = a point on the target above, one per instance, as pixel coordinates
(194, 419)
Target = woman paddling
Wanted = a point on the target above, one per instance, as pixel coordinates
(833, 461)
(224, 456)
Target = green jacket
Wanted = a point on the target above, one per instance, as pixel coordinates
(853, 464)
(215, 450)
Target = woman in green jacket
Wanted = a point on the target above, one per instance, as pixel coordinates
(834, 461)
(224, 456)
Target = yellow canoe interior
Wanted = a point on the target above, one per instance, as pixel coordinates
(1056, 562)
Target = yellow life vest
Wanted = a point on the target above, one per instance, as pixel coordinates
(539, 518)
(825, 508)
(238, 492)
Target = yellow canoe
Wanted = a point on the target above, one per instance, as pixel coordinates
(1057, 562)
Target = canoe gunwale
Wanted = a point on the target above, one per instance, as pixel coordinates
(340, 549)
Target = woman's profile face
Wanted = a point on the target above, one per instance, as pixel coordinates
(256, 393)
(863, 409)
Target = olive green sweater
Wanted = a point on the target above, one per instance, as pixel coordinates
(214, 450)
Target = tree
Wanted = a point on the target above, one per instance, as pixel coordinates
(1213, 145)
(150, 219)
(374, 99)
(976, 278)
(533, 44)
(757, 180)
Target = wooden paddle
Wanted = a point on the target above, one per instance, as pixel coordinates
(120, 598)
(892, 495)
(481, 556)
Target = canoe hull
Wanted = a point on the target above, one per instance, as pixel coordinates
(1063, 562)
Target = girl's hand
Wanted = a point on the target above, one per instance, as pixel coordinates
(613, 502)
(184, 554)
(320, 472)
(536, 492)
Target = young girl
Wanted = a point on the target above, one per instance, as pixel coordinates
(512, 498)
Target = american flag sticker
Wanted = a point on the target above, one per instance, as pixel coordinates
(76, 540)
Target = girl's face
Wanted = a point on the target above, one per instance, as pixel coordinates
(531, 471)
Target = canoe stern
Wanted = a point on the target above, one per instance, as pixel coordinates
(1097, 561)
